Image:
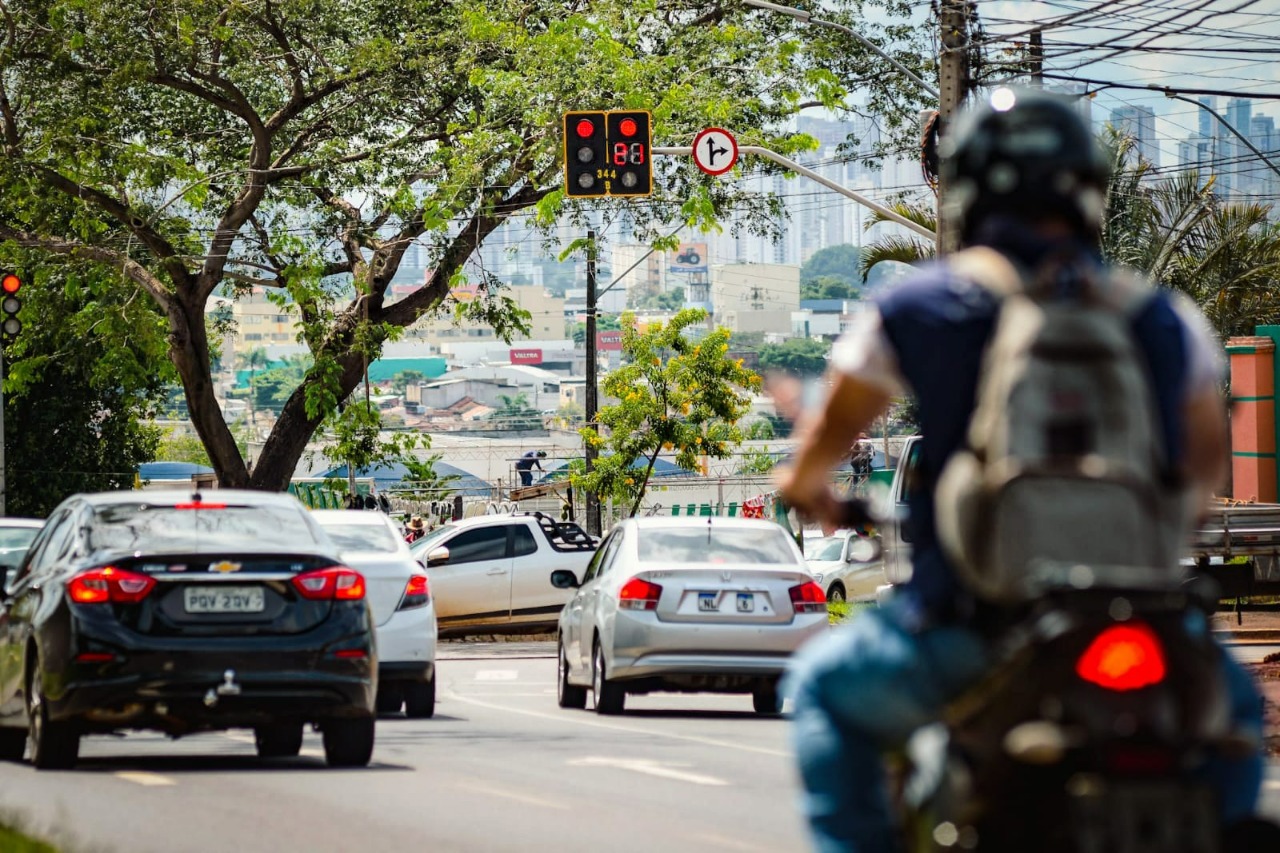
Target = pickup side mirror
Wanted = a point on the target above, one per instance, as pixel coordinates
(437, 556)
(564, 579)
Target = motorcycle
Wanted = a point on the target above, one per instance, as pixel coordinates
(1090, 734)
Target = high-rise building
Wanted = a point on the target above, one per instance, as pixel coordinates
(1140, 124)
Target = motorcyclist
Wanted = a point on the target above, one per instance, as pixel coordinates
(1025, 177)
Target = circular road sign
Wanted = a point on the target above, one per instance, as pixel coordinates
(715, 151)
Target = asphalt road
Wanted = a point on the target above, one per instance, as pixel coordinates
(499, 768)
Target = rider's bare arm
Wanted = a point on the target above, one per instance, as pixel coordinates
(864, 379)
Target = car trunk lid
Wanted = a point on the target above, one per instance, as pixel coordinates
(716, 594)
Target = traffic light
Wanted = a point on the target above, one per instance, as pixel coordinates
(586, 162)
(10, 325)
(630, 161)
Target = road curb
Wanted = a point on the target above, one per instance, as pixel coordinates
(1249, 635)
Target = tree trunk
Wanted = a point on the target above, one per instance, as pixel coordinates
(189, 350)
(644, 484)
(289, 436)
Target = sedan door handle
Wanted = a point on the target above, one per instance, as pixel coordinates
(496, 572)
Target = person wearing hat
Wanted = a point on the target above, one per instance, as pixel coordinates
(417, 529)
(527, 463)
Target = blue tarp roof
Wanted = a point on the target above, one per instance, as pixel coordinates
(171, 470)
(386, 476)
(661, 468)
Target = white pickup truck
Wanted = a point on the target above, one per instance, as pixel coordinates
(492, 573)
(1227, 531)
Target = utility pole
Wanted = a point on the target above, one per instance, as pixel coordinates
(953, 80)
(592, 401)
(1037, 58)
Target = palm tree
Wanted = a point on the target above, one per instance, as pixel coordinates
(1177, 231)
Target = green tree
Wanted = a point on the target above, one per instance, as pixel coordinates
(673, 394)
(402, 380)
(828, 287)
(359, 442)
(830, 268)
(795, 356)
(515, 413)
(302, 146)
(253, 360)
(83, 380)
(604, 323)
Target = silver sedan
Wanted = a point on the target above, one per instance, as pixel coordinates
(688, 605)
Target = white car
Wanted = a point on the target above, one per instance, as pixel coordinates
(846, 565)
(404, 611)
(688, 605)
(492, 572)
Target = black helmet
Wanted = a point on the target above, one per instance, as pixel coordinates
(1026, 153)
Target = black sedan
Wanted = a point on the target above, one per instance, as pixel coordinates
(183, 613)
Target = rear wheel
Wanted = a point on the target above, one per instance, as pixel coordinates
(420, 699)
(13, 743)
(348, 742)
(278, 741)
(53, 745)
(835, 595)
(765, 699)
(610, 697)
(568, 695)
(390, 698)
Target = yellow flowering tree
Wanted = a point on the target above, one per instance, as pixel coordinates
(674, 394)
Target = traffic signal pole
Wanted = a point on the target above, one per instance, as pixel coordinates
(592, 399)
(791, 165)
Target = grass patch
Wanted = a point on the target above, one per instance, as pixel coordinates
(12, 841)
(841, 611)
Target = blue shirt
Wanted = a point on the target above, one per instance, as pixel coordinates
(938, 325)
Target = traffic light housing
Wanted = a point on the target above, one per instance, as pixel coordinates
(10, 305)
(585, 155)
(630, 154)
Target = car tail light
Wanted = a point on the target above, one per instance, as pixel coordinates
(336, 583)
(416, 593)
(637, 594)
(1123, 657)
(109, 584)
(808, 597)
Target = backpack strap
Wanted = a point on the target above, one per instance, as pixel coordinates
(1121, 289)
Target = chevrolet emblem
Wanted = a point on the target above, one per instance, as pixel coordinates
(224, 567)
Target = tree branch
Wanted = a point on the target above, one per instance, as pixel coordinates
(81, 251)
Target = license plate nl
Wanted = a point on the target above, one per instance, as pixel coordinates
(218, 599)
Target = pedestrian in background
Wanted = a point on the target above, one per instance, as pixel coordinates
(527, 463)
(417, 529)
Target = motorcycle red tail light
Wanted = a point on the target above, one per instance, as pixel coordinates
(109, 584)
(1123, 657)
(637, 594)
(334, 583)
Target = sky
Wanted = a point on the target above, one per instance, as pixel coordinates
(1227, 45)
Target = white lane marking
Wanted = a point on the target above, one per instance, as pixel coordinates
(497, 675)
(648, 767)
(139, 777)
(239, 737)
(730, 843)
(519, 797)
(706, 741)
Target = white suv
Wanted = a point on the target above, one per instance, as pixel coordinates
(402, 603)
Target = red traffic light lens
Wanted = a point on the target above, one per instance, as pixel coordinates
(585, 128)
(627, 127)
(11, 283)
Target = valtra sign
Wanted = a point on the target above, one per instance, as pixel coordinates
(609, 340)
(526, 356)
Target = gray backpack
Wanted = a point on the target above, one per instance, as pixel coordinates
(1062, 481)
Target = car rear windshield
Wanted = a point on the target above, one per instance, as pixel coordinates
(158, 528)
(714, 545)
(363, 537)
